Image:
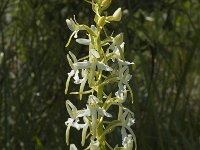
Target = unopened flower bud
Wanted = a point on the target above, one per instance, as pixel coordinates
(101, 21)
(105, 4)
(116, 16)
(118, 40)
(71, 24)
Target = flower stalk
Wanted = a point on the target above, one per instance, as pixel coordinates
(104, 65)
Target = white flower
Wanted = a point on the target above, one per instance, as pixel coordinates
(76, 77)
(73, 26)
(121, 94)
(72, 72)
(128, 120)
(89, 65)
(74, 119)
(93, 103)
(118, 49)
(128, 142)
(75, 65)
(86, 67)
(94, 144)
(93, 110)
(73, 147)
(124, 78)
(72, 123)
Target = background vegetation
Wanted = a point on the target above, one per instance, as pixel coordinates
(162, 38)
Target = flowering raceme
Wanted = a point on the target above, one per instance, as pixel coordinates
(104, 64)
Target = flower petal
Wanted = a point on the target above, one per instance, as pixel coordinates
(102, 66)
(83, 82)
(72, 110)
(92, 99)
(68, 80)
(103, 112)
(76, 78)
(94, 53)
(73, 56)
(67, 133)
(124, 135)
(71, 24)
(82, 65)
(125, 63)
(77, 125)
(85, 112)
(83, 41)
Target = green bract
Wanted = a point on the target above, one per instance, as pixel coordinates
(96, 71)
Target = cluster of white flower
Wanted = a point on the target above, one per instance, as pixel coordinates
(97, 70)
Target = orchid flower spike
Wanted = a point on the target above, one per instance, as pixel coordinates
(102, 67)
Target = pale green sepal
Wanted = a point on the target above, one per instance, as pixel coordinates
(82, 88)
(67, 134)
(105, 4)
(129, 88)
(67, 84)
(84, 131)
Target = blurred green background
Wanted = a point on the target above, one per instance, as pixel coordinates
(162, 38)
